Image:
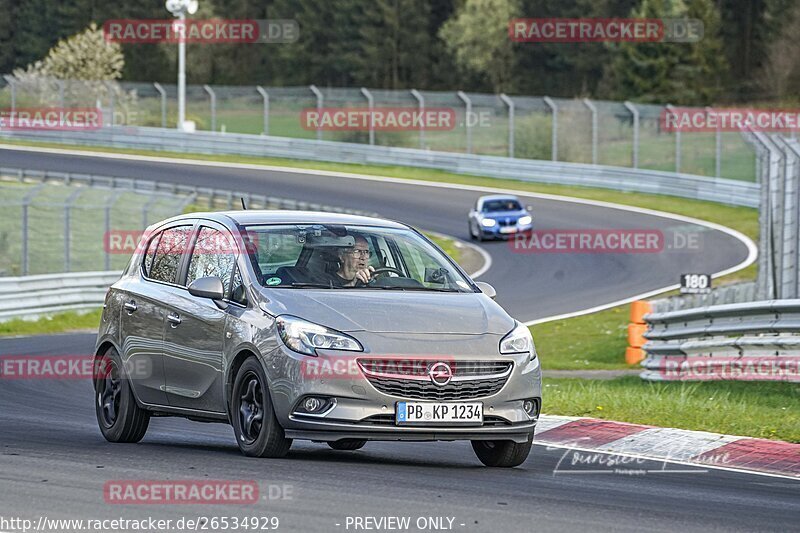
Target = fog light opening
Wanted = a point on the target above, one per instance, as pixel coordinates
(312, 404)
(315, 406)
(531, 407)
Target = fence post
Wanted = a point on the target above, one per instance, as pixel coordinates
(371, 107)
(554, 127)
(13, 83)
(671, 109)
(421, 100)
(107, 226)
(635, 152)
(767, 164)
(467, 122)
(111, 102)
(163, 94)
(717, 146)
(68, 228)
(213, 107)
(510, 103)
(593, 109)
(320, 100)
(60, 84)
(791, 224)
(265, 95)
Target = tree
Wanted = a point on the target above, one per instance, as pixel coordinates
(477, 37)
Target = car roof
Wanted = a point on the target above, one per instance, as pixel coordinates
(275, 216)
(498, 197)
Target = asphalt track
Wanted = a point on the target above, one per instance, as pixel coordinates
(54, 462)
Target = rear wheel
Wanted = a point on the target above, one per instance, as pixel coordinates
(347, 444)
(502, 453)
(118, 416)
(257, 430)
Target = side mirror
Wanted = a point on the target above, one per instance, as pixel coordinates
(486, 289)
(210, 287)
(529, 208)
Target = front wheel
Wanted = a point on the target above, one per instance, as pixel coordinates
(502, 453)
(119, 417)
(257, 430)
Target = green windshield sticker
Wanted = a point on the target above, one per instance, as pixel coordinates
(274, 281)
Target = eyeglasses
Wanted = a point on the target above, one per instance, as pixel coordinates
(358, 252)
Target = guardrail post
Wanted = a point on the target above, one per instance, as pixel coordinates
(110, 88)
(320, 100)
(213, 96)
(467, 121)
(12, 82)
(510, 103)
(553, 127)
(593, 109)
(163, 95)
(421, 101)
(635, 151)
(671, 109)
(371, 107)
(265, 96)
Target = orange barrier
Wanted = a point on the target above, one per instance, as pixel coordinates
(636, 330)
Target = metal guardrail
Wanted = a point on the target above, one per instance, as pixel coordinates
(31, 296)
(726, 294)
(726, 191)
(753, 341)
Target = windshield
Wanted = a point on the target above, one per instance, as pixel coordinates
(501, 205)
(353, 257)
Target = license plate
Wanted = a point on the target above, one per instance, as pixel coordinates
(508, 230)
(429, 413)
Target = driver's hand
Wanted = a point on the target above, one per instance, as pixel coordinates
(365, 274)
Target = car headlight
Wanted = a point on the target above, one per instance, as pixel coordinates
(525, 220)
(519, 340)
(488, 222)
(305, 337)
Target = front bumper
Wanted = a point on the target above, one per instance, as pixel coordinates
(363, 412)
(504, 232)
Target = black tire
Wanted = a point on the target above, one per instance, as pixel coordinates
(472, 236)
(347, 444)
(257, 430)
(119, 417)
(502, 453)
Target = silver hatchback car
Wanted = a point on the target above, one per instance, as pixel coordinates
(317, 326)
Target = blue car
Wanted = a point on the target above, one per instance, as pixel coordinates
(498, 216)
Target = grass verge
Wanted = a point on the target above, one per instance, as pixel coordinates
(762, 410)
(57, 323)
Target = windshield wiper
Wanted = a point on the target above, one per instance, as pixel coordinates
(313, 286)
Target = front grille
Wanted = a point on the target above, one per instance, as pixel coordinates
(507, 221)
(426, 390)
(398, 368)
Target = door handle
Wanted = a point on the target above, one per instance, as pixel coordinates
(130, 307)
(174, 319)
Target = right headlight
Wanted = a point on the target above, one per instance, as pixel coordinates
(305, 337)
(519, 340)
(488, 222)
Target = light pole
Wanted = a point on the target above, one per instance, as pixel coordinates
(179, 9)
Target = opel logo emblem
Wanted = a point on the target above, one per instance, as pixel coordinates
(440, 374)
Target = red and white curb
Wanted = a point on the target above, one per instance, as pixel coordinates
(670, 445)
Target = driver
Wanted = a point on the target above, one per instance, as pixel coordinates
(354, 264)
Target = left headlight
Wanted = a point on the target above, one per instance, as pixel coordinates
(488, 222)
(519, 340)
(525, 220)
(305, 337)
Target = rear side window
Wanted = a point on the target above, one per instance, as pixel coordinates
(171, 245)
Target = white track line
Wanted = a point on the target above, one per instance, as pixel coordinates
(751, 246)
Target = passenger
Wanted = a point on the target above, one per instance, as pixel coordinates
(354, 265)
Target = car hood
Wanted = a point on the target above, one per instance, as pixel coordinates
(380, 311)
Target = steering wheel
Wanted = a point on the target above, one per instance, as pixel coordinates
(385, 270)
